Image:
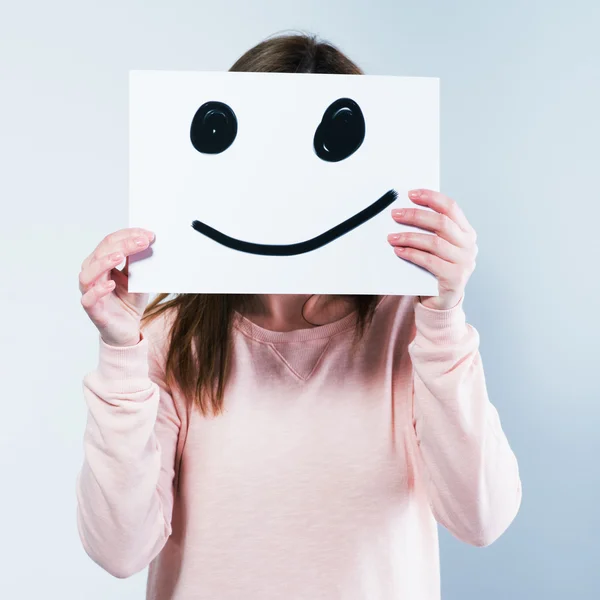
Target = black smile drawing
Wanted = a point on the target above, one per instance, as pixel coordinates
(300, 247)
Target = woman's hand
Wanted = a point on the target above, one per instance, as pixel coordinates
(113, 310)
(449, 255)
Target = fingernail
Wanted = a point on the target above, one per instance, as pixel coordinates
(141, 241)
(414, 193)
(398, 212)
(393, 237)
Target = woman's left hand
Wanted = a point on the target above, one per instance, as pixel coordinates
(449, 254)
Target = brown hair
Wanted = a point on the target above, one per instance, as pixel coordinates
(204, 321)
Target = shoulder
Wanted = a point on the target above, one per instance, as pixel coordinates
(395, 309)
(393, 321)
(156, 330)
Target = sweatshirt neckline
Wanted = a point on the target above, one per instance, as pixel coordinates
(259, 333)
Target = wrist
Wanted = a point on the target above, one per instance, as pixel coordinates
(122, 343)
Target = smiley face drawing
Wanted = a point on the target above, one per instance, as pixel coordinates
(340, 134)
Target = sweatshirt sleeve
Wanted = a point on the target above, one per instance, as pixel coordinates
(473, 475)
(125, 485)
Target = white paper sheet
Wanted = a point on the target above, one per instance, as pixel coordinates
(270, 186)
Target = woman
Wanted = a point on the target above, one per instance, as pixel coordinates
(297, 447)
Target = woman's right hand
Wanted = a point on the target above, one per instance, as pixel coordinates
(113, 310)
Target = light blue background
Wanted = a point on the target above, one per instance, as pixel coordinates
(520, 95)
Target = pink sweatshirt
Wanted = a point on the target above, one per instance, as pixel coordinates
(324, 478)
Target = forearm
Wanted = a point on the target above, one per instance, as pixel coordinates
(474, 482)
(121, 517)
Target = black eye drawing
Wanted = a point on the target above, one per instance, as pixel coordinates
(214, 128)
(341, 131)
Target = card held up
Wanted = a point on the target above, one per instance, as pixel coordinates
(278, 182)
